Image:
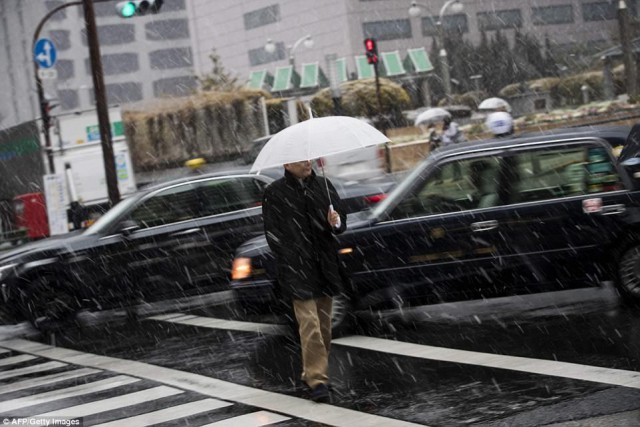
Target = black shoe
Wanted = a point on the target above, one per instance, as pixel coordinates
(320, 394)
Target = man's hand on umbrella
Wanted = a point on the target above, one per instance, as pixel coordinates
(334, 218)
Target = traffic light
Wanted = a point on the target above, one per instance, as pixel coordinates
(372, 51)
(45, 110)
(127, 9)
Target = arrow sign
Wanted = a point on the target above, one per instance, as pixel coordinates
(45, 53)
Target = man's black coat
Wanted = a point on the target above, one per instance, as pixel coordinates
(305, 246)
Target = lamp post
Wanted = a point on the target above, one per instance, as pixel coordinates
(628, 56)
(457, 6)
(100, 95)
(270, 47)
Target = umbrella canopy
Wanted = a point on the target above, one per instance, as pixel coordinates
(431, 115)
(498, 104)
(315, 138)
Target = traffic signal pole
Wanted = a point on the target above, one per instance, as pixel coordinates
(372, 58)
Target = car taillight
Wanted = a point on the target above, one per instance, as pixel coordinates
(241, 268)
(375, 198)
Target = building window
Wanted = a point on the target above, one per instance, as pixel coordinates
(110, 35)
(552, 15)
(68, 99)
(450, 23)
(260, 56)
(174, 86)
(119, 93)
(598, 11)
(59, 15)
(166, 59)
(261, 17)
(60, 38)
(117, 63)
(173, 5)
(500, 19)
(388, 30)
(170, 29)
(65, 69)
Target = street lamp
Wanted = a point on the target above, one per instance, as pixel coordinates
(270, 46)
(456, 6)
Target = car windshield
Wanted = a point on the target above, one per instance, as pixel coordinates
(105, 221)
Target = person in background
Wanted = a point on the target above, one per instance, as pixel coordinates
(300, 224)
(500, 124)
(434, 137)
(451, 133)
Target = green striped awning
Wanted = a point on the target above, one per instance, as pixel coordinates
(258, 79)
(341, 70)
(364, 69)
(417, 61)
(285, 79)
(392, 64)
(312, 76)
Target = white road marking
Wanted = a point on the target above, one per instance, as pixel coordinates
(574, 371)
(112, 403)
(47, 379)
(16, 359)
(254, 419)
(212, 323)
(3, 351)
(31, 369)
(281, 403)
(169, 414)
(79, 390)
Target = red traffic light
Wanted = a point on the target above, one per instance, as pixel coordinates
(371, 50)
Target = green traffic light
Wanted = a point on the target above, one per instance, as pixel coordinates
(128, 9)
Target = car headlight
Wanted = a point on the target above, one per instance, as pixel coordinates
(5, 269)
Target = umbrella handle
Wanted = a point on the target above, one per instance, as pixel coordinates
(331, 210)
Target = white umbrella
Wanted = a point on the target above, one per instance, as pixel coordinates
(495, 104)
(315, 138)
(431, 115)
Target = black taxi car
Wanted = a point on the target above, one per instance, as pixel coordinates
(168, 240)
(481, 219)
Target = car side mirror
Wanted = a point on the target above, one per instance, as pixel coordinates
(128, 227)
(632, 167)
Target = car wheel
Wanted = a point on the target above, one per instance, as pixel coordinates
(629, 275)
(342, 317)
(48, 304)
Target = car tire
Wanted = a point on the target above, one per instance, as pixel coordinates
(48, 304)
(628, 282)
(342, 316)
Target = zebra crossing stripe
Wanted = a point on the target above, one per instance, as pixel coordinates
(169, 414)
(209, 322)
(31, 369)
(573, 371)
(112, 403)
(254, 419)
(4, 350)
(16, 359)
(271, 401)
(79, 390)
(47, 379)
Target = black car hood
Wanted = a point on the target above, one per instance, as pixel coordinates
(53, 245)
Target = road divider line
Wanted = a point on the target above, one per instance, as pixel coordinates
(574, 371)
(47, 380)
(213, 323)
(79, 390)
(111, 403)
(276, 402)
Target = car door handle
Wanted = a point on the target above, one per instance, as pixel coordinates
(484, 225)
(186, 232)
(613, 209)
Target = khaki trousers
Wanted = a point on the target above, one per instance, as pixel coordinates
(314, 327)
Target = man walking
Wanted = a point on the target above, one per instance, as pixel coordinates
(300, 228)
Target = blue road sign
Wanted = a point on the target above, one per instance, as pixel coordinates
(45, 53)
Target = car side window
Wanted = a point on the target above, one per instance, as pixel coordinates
(230, 194)
(454, 186)
(563, 172)
(175, 204)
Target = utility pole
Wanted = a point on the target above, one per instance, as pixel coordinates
(101, 103)
(628, 55)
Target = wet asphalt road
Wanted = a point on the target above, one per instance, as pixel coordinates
(588, 327)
